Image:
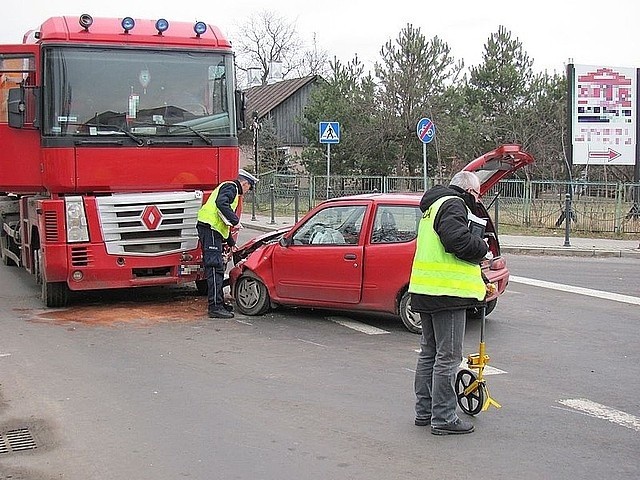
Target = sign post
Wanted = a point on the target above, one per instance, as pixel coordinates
(329, 132)
(426, 130)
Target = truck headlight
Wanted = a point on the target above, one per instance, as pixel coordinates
(76, 223)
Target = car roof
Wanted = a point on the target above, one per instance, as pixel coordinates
(389, 198)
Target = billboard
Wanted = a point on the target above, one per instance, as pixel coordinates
(604, 115)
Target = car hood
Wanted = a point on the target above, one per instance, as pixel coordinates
(497, 164)
(252, 245)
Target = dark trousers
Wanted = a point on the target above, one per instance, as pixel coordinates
(211, 242)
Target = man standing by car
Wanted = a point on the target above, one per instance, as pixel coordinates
(215, 219)
(446, 280)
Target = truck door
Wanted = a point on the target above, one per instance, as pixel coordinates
(20, 154)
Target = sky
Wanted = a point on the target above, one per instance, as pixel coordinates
(553, 32)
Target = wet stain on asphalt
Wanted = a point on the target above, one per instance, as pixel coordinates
(142, 312)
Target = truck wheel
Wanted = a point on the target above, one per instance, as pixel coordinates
(202, 287)
(411, 319)
(55, 294)
(252, 297)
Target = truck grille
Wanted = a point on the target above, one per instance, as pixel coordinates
(149, 224)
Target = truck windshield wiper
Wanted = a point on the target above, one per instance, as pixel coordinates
(117, 128)
(206, 139)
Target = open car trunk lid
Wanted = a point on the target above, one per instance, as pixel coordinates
(497, 164)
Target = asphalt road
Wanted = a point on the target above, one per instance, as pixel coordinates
(141, 385)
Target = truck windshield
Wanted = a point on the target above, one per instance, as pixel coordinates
(106, 91)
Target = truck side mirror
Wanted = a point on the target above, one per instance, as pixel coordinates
(240, 108)
(16, 107)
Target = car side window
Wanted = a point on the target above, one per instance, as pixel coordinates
(335, 225)
(395, 224)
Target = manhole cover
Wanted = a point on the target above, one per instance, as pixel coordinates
(16, 440)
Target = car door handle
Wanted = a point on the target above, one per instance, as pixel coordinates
(350, 256)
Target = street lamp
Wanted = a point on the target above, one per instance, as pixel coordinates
(255, 126)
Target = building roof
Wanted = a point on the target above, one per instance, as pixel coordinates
(265, 98)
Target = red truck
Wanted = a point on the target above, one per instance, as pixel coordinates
(112, 132)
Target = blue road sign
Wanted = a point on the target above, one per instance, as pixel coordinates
(329, 132)
(426, 130)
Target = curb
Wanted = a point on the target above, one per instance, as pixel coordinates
(570, 252)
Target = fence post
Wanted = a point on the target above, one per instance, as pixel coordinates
(567, 218)
(272, 194)
(526, 213)
(296, 201)
(617, 221)
(495, 214)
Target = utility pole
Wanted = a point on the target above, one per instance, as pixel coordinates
(255, 126)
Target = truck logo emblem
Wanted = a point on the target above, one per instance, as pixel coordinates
(151, 217)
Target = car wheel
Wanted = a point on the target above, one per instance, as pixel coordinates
(252, 297)
(475, 312)
(411, 319)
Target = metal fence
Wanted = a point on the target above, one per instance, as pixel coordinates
(596, 207)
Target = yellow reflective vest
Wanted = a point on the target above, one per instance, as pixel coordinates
(210, 214)
(437, 272)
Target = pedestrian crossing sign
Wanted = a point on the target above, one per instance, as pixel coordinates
(329, 132)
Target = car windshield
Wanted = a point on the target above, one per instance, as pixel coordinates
(106, 91)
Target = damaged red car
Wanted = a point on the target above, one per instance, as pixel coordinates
(355, 253)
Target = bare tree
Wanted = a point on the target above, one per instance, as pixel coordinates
(266, 38)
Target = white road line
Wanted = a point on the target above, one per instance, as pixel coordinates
(5, 354)
(488, 370)
(616, 297)
(357, 326)
(597, 410)
(312, 343)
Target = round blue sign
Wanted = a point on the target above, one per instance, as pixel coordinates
(426, 130)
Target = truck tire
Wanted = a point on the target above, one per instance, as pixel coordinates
(55, 294)
(202, 287)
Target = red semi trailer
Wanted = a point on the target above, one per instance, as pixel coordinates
(112, 132)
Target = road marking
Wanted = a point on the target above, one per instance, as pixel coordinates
(357, 326)
(488, 370)
(616, 297)
(5, 354)
(597, 410)
(312, 343)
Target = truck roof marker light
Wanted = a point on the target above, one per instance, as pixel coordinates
(85, 21)
(200, 28)
(162, 25)
(127, 24)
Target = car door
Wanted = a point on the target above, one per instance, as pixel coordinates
(323, 261)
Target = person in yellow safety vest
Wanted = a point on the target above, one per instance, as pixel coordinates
(215, 220)
(446, 280)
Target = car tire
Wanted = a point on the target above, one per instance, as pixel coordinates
(410, 318)
(251, 295)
